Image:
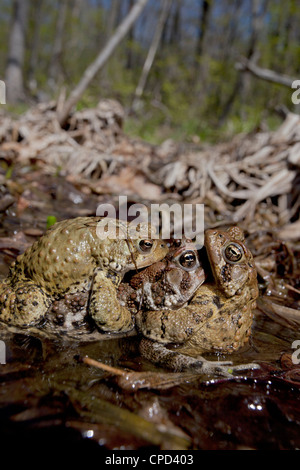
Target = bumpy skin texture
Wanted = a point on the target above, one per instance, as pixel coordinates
(220, 314)
(167, 284)
(72, 258)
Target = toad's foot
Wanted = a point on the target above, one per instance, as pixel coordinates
(161, 355)
(104, 306)
(223, 368)
(23, 305)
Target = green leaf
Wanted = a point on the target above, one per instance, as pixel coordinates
(51, 220)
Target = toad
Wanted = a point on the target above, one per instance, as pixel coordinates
(166, 284)
(171, 281)
(219, 316)
(72, 259)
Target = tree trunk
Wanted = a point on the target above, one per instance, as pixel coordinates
(101, 59)
(34, 48)
(55, 69)
(112, 18)
(152, 52)
(16, 48)
(242, 84)
(206, 4)
(175, 34)
(129, 55)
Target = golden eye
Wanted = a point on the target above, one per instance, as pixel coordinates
(233, 253)
(146, 246)
(188, 259)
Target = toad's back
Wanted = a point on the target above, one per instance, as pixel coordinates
(67, 253)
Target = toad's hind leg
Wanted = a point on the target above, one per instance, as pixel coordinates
(23, 304)
(161, 355)
(105, 308)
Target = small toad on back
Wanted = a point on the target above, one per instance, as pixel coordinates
(168, 283)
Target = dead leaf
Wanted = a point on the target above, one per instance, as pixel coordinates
(129, 181)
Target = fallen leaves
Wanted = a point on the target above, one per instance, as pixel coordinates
(255, 176)
(130, 181)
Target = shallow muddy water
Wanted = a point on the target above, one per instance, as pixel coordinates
(48, 394)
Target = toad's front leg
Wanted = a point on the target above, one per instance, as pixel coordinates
(104, 306)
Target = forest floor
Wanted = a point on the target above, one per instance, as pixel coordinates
(48, 173)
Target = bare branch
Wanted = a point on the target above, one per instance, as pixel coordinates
(246, 65)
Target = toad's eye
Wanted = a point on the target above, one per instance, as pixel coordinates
(188, 260)
(233, 253)
(145, 246)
